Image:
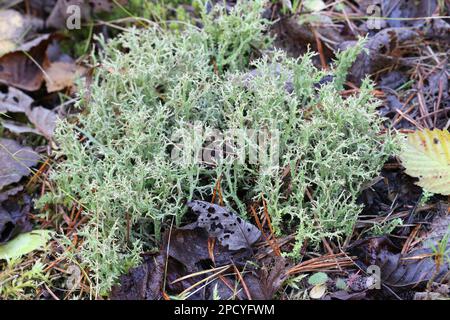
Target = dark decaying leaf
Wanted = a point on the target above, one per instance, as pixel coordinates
(436, 291)
(143, 282)
(187, 253)
(190, 247)
(14, 219)
(293, 35)
(265, 282)
(226, 226)
(420, 265)
(380, 52)
(344, 295)
(262, 283)
(438, 29)
(409, 270)
(392, 80)
(404, 9)
(16, 161)
(9, 193)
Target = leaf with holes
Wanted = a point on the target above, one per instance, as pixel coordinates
(224, 225)
(426, 155)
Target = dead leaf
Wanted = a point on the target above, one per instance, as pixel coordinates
(437, 291)
(14, 218)
(318, 291)
(14, 27)
(404, 9)
(438, 29)
(18, 70)
(9, 193)
(38, 60)
(143, 282)
(187, 253)
(16, 161)
(14, 100)
(44, 120)
(224, 225)
(190, 247)
(416, 267)
(410, 270)
(18, 127)
(60, 75)
(60, 14)
(265, 282)
(380, 49)
(292, 35)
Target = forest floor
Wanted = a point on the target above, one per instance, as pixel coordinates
(43, 53)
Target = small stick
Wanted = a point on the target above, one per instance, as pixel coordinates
(269, 223)
(323, 61)
(275, 249)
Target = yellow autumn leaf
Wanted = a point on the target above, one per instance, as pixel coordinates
(426, 155)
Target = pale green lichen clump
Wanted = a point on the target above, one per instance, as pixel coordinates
(153, 83)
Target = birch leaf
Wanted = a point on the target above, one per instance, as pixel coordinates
(426, 155)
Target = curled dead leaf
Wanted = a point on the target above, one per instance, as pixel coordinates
(23, 68)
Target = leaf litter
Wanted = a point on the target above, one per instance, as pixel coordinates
(14, 216)
(16, 101)
(16, 161)
(187, 255)
(224, 225)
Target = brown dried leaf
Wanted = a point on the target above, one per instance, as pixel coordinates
(61, 75)
(18, 70)
(268, 279)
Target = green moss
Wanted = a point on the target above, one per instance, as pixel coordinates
(21, 280)
(154, 84)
